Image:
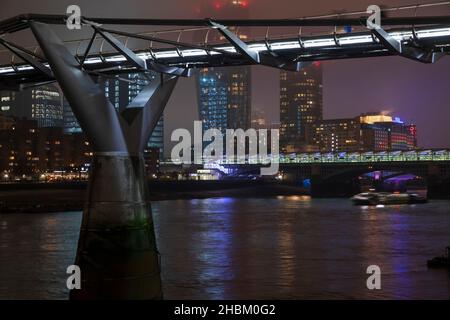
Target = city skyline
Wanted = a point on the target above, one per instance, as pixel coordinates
(301, 110)
(350, 87)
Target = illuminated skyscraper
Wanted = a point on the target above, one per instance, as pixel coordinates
(7, 102)
(43, 104)
(224, 94)
(46, 106)
(300, 106)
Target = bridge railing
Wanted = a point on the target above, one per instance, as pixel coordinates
(336, 157)
(383, 156)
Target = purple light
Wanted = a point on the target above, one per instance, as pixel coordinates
(397, 120)
(404, 177)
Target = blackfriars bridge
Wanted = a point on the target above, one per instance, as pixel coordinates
(337, 173)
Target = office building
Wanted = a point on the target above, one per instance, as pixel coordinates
(337, 135)
(43, 104)
(6, 122)
(27, 149)
(300, 107)
(367, 132)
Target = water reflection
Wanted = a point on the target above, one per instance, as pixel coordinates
(296, 247)
(35, 251)
(282, 248)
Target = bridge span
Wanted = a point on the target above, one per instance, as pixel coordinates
(337, 173)
(117, 247)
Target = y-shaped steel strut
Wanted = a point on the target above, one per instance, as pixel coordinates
(117, 251)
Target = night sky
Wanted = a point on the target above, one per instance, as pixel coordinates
(416, 92)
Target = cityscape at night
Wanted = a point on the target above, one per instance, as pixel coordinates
(221, 156)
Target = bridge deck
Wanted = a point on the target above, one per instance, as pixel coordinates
(436, 155)
(429, 33)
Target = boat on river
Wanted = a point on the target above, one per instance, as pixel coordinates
(387, 198)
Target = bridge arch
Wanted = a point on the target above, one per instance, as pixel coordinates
(345, 180)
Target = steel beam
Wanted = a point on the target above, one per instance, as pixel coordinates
(27, 57)
(20, 22)
(240, 45)
(96, 115)
(117, 251)
(423, 43)
(138, 62)
(88, 48)
(169, 42)
(417, 53)
(171, 70)
(282, 63)
(270, 59)
(145, 110)
(121, 48)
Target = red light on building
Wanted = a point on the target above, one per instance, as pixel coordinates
(244, 4)
(316, 63)
(217, 5)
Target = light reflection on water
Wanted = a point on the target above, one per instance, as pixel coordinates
(283, 248)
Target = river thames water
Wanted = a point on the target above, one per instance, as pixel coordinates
(227, 248)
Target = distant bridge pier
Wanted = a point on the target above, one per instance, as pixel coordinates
(438, 180)
(320, 186)
(117, 251)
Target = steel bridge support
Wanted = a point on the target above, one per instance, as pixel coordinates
(117, 251)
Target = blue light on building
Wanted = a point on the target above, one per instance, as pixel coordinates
(397, 120)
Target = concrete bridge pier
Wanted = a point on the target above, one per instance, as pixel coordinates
(117, 251)
(322, 187)
(436, 182)
(325, 189)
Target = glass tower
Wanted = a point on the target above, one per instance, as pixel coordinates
(224, 94)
